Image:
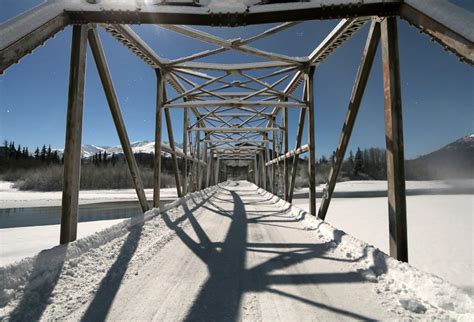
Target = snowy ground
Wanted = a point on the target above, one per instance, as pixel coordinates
(440, 231)
(13, 198)
(233, 253)
(22, 242)
(436, 244)
(378, 188)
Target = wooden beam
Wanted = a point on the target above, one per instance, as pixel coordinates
(198, 156)
(289, 154)
(255, 170)
(209, 169)
(160, 78)
(445, 22)
(206, 160)
(114, 106)
(309, 77)
(174, 160)
(263, 170)
(218, 169)
(235, 129)
(296, 158)
(354, 104)
(234, 103)
(286, 164)
(212, 39)
(72, 147)
(185, 151)
(394, 141)
(274, 154)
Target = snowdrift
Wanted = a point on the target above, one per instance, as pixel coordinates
(415, 290)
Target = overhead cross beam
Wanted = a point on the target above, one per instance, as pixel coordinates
(447, 23)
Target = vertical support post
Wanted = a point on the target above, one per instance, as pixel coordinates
(296, 158)
(198, 156)
(191, 162)
(72, 147)
(394, 140)
(263, 167)
(274, 134)
(157, 164)
(196, 164)
(255, 172)
(286, 161)
(267, 157)
(354, 104)
(218, 169)
(213, 169)
(114, 106)
(174, 159)
(185, 151)
(311, 141)
(209, 168)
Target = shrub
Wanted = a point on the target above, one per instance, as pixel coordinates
(92, 178)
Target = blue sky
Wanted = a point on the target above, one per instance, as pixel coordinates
(437, 90)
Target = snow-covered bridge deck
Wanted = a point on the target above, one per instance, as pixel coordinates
(240, 256)
(230, 252)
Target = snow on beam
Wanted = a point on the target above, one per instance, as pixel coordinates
(448, 24)
(235, 13)
(235, 129)
(292, 153)
(21, 35)
(234, 103)
(233, 67)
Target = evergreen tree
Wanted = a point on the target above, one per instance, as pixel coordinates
(6, 147)
(18, 152)
(48, 154)
(43, 153)
(55, 157)
(11, 150)
(114, 159)
(333, 157)
(351, 159)
(37, 153)
(358, 162)
(105, 157)
(100, 157)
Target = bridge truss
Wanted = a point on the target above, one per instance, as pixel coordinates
(237, 112)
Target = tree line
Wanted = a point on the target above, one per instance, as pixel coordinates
(364, 164)
(45, 154)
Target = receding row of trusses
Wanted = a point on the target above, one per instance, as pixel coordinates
(239, 110)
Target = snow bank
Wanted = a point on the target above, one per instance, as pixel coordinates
(439, 230)
(414, 290)
(81, 264)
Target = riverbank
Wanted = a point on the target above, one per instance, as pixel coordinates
(14, 198)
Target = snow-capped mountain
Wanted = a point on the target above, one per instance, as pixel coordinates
(87, 150)
(454, 160)
(138, 147)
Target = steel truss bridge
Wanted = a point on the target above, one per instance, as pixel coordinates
(234, 115)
